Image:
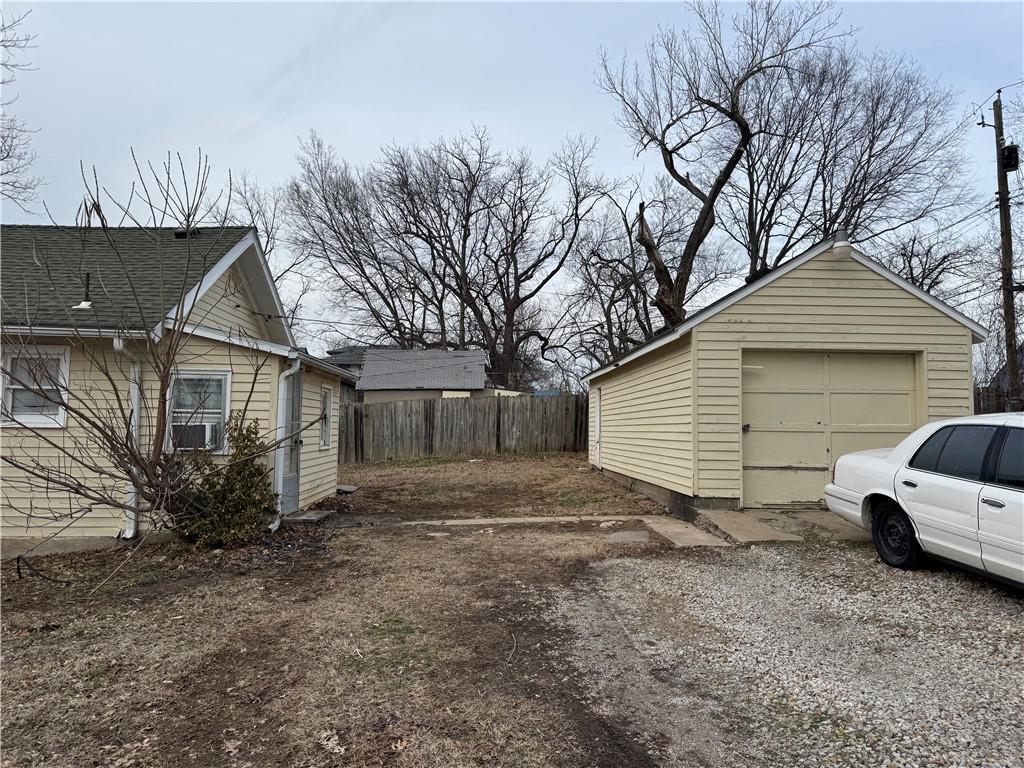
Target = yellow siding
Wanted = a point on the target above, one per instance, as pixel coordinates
(27, 507)
(646, 423)
(228, 307)
(254, 378)
(829, 303)
(318, 467)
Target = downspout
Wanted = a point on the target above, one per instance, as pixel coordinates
(282, 432)
(131, 528)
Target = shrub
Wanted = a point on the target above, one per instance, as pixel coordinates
(230, 504)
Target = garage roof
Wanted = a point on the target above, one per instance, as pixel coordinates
(978, 332)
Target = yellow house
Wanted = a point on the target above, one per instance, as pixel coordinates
(750, 401)
(89, 308)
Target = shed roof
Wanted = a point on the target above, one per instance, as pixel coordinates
(423, 369)
(135, 277)
(669, 335)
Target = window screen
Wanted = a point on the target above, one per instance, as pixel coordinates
(198, 412)
(34, 386)
(928, 454)
(964, 452)
(1010, 470)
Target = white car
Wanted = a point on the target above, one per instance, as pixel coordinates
(953, 489)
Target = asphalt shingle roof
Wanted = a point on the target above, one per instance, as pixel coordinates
(353, 355)
(43, 268)
(423, 369)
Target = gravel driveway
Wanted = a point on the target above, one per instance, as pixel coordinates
(810, 654)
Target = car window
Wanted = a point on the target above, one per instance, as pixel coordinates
(928, 453)
(1010, 470)
(964, 452)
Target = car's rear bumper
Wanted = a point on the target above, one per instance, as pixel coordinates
(845, 503)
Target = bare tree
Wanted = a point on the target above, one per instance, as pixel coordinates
(117, 389)
(17, 184)
(264, 209)
(607, 309)
(692, 100)
(446, 246)
(933, 264)
(865, 144)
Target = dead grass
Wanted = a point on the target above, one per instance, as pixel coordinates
(373, 646)
(506, 486)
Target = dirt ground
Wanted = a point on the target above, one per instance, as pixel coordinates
(506, 486)
(336, 646)
(361, 643)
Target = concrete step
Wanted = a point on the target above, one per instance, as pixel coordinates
(308, 516)
(745, 526)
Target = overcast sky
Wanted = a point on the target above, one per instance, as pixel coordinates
(244, 81)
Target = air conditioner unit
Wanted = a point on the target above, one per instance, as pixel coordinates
(196, 437)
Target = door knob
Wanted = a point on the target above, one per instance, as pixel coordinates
(992, 502)
(910, 484)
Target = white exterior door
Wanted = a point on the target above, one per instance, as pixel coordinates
(1001, 511)
(802, 410)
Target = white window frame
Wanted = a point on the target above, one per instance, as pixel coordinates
(59, 352)
(199, 373)
(327, 419)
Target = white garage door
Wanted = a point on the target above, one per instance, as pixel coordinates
(802, 410)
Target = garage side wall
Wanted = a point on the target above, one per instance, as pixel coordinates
(645, 410)
(829, 303)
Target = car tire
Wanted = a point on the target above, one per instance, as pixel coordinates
(894, 537)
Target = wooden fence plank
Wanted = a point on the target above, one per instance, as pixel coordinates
(448, 427)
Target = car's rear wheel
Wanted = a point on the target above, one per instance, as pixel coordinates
(894, 536)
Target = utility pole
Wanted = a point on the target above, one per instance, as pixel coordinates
(1013, 393)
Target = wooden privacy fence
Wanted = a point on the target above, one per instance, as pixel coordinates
(417, 429)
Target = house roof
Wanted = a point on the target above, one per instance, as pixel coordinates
(136, 276)
(668, 335)
(423, 369)
(353, 354)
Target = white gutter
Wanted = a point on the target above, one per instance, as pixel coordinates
(282, 431)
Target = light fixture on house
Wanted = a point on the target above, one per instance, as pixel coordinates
(84, 303)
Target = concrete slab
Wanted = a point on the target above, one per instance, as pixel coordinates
(344, 489)
(679, 533)
(746, 527)
(516, 520)
(835, 527)
(683, 534)
(628, 537)
(307, 516)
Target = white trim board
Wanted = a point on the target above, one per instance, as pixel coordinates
(978, 333)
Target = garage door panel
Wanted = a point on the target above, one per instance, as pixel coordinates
(778, 408)
(774, 486)
(783, 369)
(863, 370)
(773, 449)
(847, 442)
(867, 408)
(805, 409)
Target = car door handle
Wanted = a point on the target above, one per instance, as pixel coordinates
(992, 502)
(910, 484)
